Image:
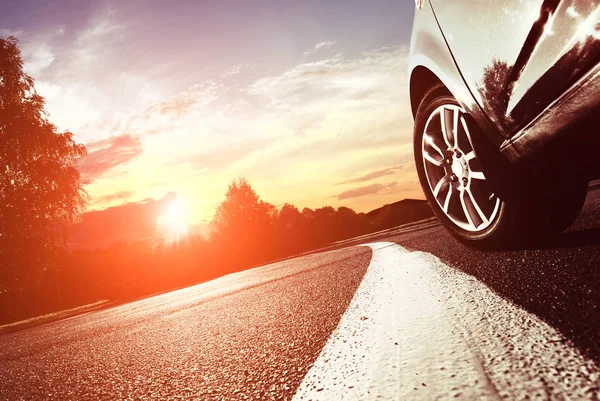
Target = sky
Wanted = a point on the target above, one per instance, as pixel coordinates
(307, 99)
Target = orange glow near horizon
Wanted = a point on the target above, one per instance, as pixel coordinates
(173, 224)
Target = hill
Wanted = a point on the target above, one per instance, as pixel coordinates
(397, 213)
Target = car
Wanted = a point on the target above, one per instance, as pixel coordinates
(505, 97)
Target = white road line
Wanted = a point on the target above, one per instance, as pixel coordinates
(417, 329)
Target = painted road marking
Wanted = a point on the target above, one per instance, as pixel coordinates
(418, 329)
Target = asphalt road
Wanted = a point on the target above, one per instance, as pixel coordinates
(414, 315)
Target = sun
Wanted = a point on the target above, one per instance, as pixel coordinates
(173, 224)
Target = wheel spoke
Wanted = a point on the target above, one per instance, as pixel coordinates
(477, 175)
(470, 156)
(430, 142)
(455, 128)
(447, 200)
(445, 130)
(431, 160)
(482, 216)
(467, 132)
(438, 186)
(466, 210)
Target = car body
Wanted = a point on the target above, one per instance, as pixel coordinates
(526, 77)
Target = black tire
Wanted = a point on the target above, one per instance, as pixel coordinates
(524, 220)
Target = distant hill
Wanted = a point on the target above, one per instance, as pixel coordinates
(397, 213)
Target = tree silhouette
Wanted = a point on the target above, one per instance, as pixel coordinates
(243, 223)
(348, 224)
(292, 227)
(40, 185)
(324, 224)
(290, 217)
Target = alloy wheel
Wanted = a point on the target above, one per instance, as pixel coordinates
(453, 172)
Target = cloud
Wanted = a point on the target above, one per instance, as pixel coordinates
(339, 118)
(5, 33)
(321, 45)
(91, 79)
(226, 156)
(375, 76)
(377, 137)
(107, 154)
(327, 43)
(366, 190)
(117, 196)
(373, 174)
(37, 58)
(167, 114)
(235, 70)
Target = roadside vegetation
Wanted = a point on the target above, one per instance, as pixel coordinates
(42, 194)
(245, 232)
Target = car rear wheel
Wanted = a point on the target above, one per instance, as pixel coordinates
(457, 190)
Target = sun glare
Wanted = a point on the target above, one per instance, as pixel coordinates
(173, 224)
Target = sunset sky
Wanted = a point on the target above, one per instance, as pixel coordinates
(306, 98)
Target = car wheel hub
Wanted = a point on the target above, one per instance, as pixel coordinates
(457, 168)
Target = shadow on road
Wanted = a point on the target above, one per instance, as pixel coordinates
(575, 239)
(560, 283)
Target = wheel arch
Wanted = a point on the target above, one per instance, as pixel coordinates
(500, 172)
(421, 81)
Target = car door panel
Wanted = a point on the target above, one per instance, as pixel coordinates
(517, 57)
(569, 49)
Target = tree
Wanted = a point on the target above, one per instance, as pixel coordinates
(40, 185)
(243, 224)
(324, 225)
(348, 224)
(290, 218)
(496, 90)
(292, 230)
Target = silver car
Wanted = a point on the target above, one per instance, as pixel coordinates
(505, 97)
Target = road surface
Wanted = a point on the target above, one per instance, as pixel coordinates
(407, 315)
